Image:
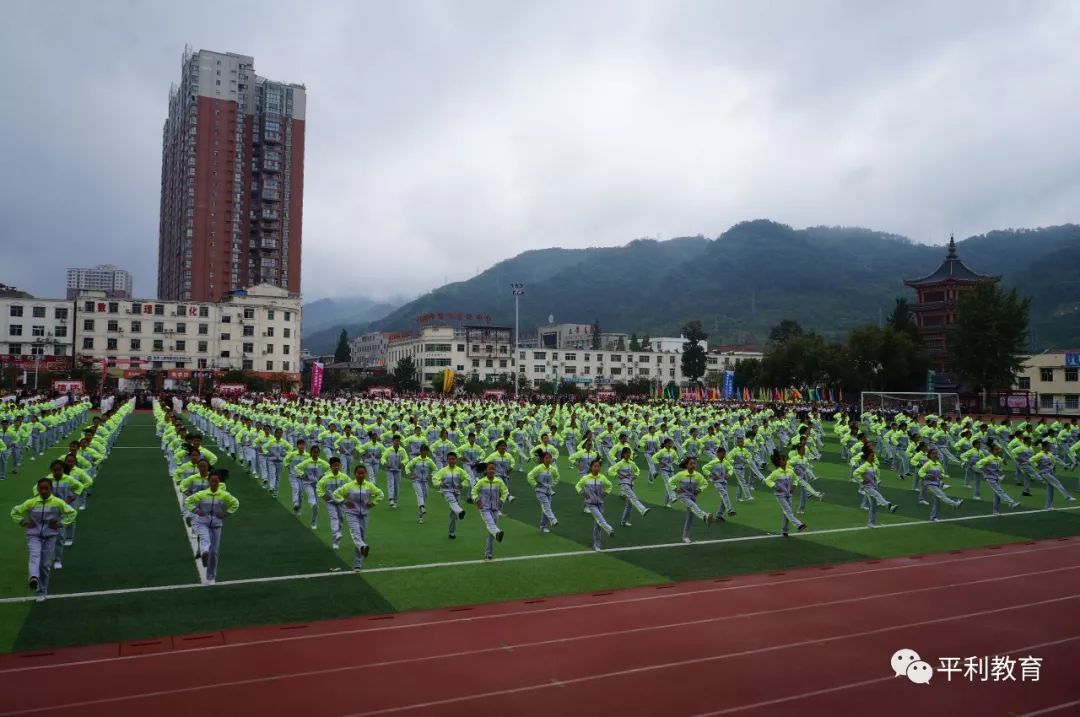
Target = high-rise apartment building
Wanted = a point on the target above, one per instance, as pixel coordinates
(232, 180)
(114, 281)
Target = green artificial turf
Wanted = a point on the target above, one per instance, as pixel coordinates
(132, 536)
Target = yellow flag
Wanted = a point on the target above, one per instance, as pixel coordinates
(447, 380)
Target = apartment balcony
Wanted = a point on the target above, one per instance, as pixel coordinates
(272, 137)
(270, 217)
(269, 244)
(271, 167)
(271, 195)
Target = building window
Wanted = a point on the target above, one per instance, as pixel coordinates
(247, 364)
(476, 363)
(38, 312)
(60, 331)
(110, 344)
(1046, 375)
(287, 333)
(87, 343)
(1070, 374)
(88, 324)
(288, 315)
(16, 310)
(587, 370)
(1046, 400)
(224, 354)
(616, 357)
(226, 319)
(15, 330)
(249, 313)
(60, 314)
(88, 307)
(136, 344)
(270, 331)
(616, 371)
(539, 355)
(181, 345)
(112, 325)
(270, 314)
(15, 349)
(249, 331)
(1024, 383)
(114, 307)
(460, 347)
(269, 348)
(159, 309)
(204, 329)
(643, 372)
(204, 312)
(181, 328)
(38, 330)
(159, 345)
(136, 327)
(570, 370)
(284, 365)
(671, 360)
(502, 363)
(202, 347)
(554, 356)
(159, 327)
(226, 337)
(136, 308)
(248, 348)
(1072, 401)
(570, 357)
(671, 372)
(538, 368)
(586, 358)
(285, 348)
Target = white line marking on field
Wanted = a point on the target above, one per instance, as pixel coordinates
(579, 638)
(515, 558)
(552, 609)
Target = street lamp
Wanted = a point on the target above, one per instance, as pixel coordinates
(39, 347)
(518, 290)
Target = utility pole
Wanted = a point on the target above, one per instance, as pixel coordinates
(518, 290)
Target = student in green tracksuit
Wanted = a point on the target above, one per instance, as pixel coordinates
(686, 485)
(625, 472)
(67, 488)
(543, 478)
(420, 470)
(357, 498)
(43, 518)
(992, 471)
(453, 482)
(308, 472)
(210, 506)
(488, 493)
(594, 489)
(332, 480)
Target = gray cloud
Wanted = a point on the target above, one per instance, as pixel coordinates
(446, 136)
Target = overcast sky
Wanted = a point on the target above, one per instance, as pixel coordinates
(445, 136)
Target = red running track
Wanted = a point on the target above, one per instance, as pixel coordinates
(808, 642)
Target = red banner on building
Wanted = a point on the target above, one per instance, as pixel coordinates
(380, 391)
(75, 386)
(182, 374)
(498, 393)
(316, 378)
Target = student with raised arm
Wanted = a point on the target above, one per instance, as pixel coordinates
(992, 470)
(782, 480)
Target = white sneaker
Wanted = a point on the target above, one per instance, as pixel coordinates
(68, 543)
(39, 598)
(210, 581)
(545, 530)
(57, 565)
(687, 540)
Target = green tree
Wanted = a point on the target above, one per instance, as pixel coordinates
(620, 345)
(635, 345)
(784, 332)
(902, 318)
(883, 359)
(990, 337)
(799, 360)
(473, 385)
(646, 343)
(437, 381)
(639, 386)
(714, 379)
(341, 353)
(404, 374)
(595, 335)
(748, 373)
(693, 355)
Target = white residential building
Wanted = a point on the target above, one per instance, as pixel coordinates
(1054, 376)
(36, 332)
(114, 281)
(487, 353)
(254, 330)
(370, 350)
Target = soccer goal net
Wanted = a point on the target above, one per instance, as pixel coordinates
(914, 403)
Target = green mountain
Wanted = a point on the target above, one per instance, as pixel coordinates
(755, 274)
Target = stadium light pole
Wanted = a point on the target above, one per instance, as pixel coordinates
(518, 290)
